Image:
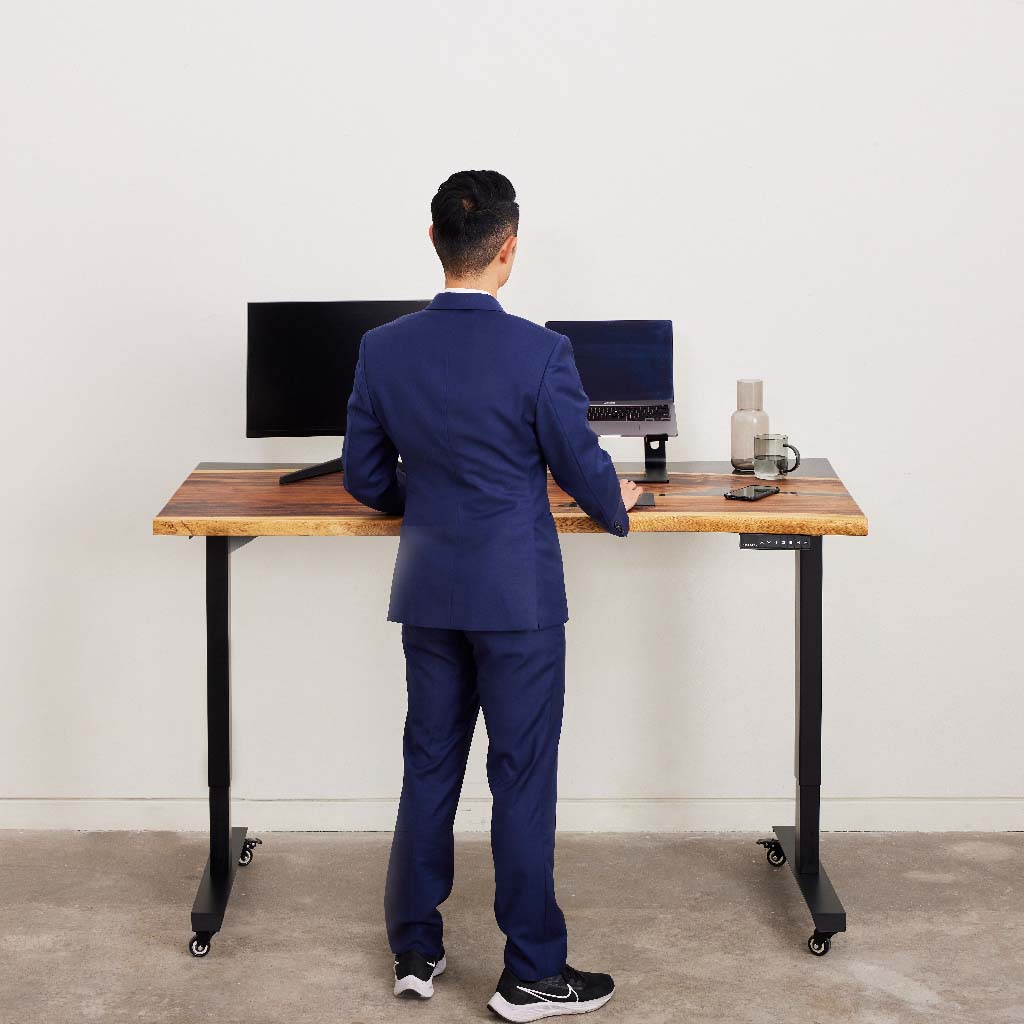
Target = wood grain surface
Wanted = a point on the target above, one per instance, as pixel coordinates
(246, 500)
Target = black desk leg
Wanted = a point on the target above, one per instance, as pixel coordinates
(228, 846)
(798, 843)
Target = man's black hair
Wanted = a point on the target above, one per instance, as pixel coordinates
(474, 212)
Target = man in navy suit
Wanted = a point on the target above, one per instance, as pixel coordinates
(479, 404)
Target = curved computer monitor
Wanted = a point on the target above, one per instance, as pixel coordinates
(302, 361)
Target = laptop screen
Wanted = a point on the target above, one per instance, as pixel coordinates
(621, 360)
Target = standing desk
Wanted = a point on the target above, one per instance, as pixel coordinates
(231, 504)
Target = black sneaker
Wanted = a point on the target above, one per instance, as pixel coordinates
(414, 974)
(568, 992)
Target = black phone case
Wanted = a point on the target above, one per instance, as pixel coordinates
(747, 497)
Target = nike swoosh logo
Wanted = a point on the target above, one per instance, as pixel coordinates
(548, 997)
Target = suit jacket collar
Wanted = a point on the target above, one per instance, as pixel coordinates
(465, 300)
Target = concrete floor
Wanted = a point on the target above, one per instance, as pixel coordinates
(93, 927)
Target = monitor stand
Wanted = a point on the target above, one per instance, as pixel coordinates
(655, 472)
(321, 469)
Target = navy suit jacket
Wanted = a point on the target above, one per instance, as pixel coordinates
(479, 404)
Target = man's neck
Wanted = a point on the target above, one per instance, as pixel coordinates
(475, 283)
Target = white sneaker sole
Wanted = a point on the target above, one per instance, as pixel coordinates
(537, 1011)
(423, 989)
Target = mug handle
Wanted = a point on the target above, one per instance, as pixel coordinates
(796, 465)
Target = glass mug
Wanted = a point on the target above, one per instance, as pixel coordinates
(770, 459)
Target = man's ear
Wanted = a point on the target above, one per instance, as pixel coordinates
(508, 249)
(430, 232)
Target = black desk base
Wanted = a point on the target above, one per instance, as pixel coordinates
(212, 897)
(821, 899)
(795, 844)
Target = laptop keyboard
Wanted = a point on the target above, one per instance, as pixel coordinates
(628, 412)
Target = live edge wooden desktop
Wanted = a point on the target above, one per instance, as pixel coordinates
(232, 503)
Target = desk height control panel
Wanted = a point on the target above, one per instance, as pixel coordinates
(775, 541)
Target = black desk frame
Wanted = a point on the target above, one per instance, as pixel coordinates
(796, 844)
(229, 847)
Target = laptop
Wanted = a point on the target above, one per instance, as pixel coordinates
(626, 370)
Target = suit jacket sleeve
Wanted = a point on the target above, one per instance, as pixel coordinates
(369, 458)
(580, 466)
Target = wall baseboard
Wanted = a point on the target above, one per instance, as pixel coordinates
(840, 814)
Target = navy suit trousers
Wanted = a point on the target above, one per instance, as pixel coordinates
(518, 678)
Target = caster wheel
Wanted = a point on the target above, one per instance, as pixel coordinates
(200, 944)
(773, 851)
(819, 944)
(248, 851)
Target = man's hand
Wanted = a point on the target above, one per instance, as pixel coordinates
(630, 493)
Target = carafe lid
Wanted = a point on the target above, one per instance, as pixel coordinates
(749, 394)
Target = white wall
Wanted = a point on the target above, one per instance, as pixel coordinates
(827, 195)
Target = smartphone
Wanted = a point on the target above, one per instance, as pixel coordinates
(754, 492)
